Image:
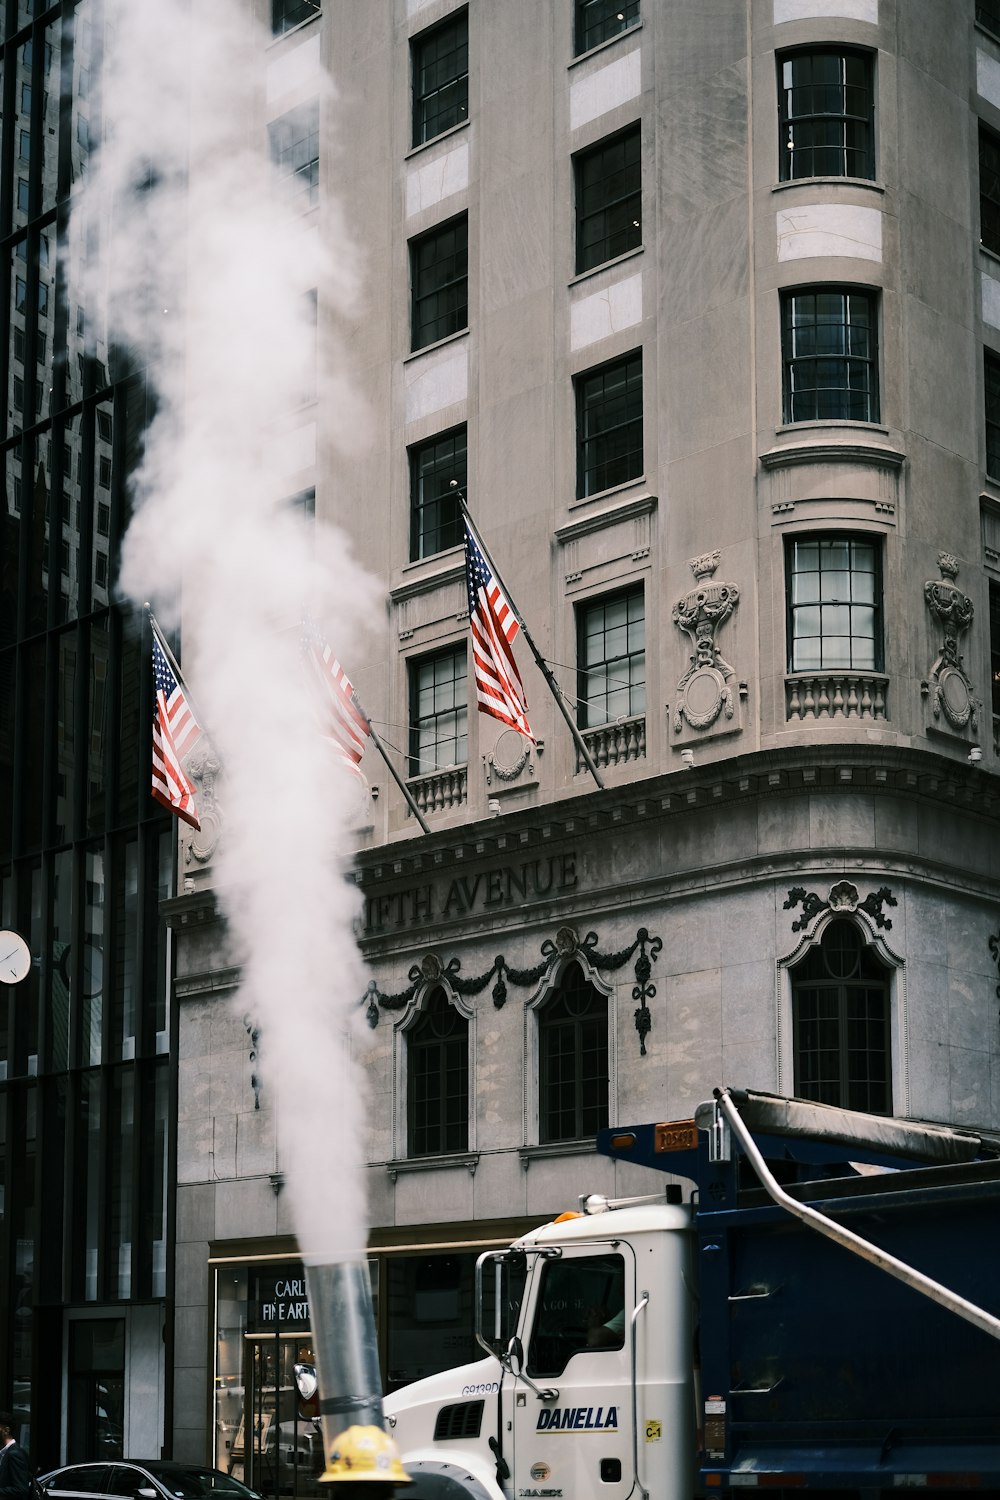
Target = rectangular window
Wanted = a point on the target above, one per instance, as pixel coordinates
(988, 15)
(834, 587)
(104, 473)
(22, 195)
(826, 105)
(439, 278)
(608, 199)
(294, 139)
(995, 646)
(991, 382)
(288, 13)
(437, 1083)
(611, 657)
(597, 21)
(440, 78)
(989, 189)
(438, 474)
(609, 425)
(438, 711)
(829, 352)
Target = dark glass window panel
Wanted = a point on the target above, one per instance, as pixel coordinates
(60, 975)
(20, 125)
(432, 1301)
(438, 711)
(121, 1146)
(608, 200)
(438, 473)
(159, 886)
(439, 276)
(834, 604)
(8, 678)
(152, 1217)
(67, 682)
(92, 965)
(125, 927)
(829, 356)
(288, 13)
(438, 1080)
(988, 15)
(827, 114)
(597, 21)
(84, 133)
(989, 189)
(841, 1023)
(32, 735)
(440, 78)
(87, 1173)
(991, 381)
(995, 645)
(294, 139)
(609, 425)
(611, 657)
(98, 724)
(573, 1060)
(133, 723)
(580, 1306)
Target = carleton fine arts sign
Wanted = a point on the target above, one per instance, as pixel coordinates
(517, 884)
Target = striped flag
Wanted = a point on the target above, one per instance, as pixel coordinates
(494, 625)
(175, 732)
(343, 721)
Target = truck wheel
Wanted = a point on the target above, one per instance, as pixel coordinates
(440, 1481)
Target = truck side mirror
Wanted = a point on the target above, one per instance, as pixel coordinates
(515, 1356)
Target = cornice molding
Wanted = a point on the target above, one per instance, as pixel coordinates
(827, 451)
(610, 515)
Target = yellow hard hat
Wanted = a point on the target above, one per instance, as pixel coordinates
(365, 1453)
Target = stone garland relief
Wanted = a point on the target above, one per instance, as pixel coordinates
(566, 944)
(203, 766)
(705, 691)
(843, 897)
(948, 685)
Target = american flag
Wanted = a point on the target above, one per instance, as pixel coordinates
(342, 719)
(494, 626)
(175, 730)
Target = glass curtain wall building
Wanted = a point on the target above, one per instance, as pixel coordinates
(85, 854)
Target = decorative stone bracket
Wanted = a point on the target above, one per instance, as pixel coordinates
(203, 766)
(948, 685)
(254, 1035)
(995, 954)
(565, 945)
(843, 897)
(705, 691)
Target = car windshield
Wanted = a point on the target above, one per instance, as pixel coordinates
(189, 1482)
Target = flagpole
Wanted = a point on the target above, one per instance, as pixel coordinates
(540, 661)
(414, 809)
(175, 664)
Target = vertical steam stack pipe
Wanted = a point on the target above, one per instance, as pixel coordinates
(358, 1450)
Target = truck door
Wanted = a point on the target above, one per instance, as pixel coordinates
(579, 1344)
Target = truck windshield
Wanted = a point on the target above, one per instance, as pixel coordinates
(581, 1305)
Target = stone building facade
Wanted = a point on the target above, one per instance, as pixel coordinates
(698, 305)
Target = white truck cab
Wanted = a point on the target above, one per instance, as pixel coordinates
(588, 1387)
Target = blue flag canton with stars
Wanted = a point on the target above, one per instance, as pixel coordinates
(477, 572)
(163, 677)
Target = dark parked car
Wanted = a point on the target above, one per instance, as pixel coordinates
(156, 1479)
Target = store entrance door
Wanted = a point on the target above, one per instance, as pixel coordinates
(278, 1448)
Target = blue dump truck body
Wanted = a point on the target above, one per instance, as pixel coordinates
(818, 1369)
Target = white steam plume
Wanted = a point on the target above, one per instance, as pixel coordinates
(205, 277)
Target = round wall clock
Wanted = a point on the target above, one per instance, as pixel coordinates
(15, 958)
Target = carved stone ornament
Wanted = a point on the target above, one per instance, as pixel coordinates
(203, 766)
(843, 897)
(948, 685)
(567, 943)
(510, 756)
(705, 691)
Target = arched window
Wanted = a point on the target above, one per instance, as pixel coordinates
(573, 1060)
(840, 1009)
(438, 1079)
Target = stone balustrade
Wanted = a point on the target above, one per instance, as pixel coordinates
(614, 744)
(836, 695)
(441, 790)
